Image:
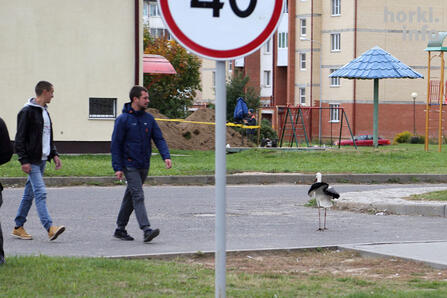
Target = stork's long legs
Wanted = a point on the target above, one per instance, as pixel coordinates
(324, 228)
(319, 220)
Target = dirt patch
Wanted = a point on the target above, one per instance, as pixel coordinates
(191, 136)
(333, 262)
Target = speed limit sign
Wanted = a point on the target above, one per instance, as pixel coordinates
(221, 29)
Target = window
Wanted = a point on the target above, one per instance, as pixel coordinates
(282, 40)
(267, 81)
(336, 7)
(335, 42)
(334, 110)
(303, 27)
(303, 61)
(153, 10)
(160, 33)
(267, 47)
(286, 7)
(146, 9)
(302, 96)
(335, 82)
(102, 108)
(230, 65)
(214, 79)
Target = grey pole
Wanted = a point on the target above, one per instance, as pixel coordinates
(221, 180)
(376, 114)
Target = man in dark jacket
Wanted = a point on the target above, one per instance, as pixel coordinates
(34, 145)
(5, 156)
(131, 152)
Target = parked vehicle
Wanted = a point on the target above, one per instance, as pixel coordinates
(363, 140)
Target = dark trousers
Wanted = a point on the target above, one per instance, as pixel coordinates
(2, 253)
(134, 199)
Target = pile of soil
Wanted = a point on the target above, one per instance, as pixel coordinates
(192, 136)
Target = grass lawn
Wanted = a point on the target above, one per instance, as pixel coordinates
(430, 196)
(295, 274)
(403, 158)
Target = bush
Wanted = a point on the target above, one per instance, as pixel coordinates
(403, 137)
(267, 131)
(417, 140)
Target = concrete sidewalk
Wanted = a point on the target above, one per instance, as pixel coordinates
(392, 201)
(432, 253)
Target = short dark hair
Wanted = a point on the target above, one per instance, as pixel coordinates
(136, 91)
(42, 85)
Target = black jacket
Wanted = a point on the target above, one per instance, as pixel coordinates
(28, 142)
(5, 144)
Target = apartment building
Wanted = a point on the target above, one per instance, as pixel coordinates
(316, 37)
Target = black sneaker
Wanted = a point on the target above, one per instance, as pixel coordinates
(2, 260)
(151, 234)
(122, 234)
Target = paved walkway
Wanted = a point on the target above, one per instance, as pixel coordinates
(258, 217)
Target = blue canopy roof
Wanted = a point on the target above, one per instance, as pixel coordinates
(376, 64)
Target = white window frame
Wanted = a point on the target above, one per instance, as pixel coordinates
(268, 47)
(302, 96)
(267, 78)
(153, 9)
(334, 112)
(303, 27)
(303, 65)
(335, 82)
(286, 7)
(335, 7)
(335, 42)
(283, 40)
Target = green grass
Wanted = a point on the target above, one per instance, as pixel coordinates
(430, 196)
(93, 277)
(403, 158)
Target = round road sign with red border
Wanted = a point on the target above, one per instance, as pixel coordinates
(221, 29)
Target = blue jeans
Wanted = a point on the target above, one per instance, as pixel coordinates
(34, 189)
(134, 199)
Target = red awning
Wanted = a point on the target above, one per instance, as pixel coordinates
(156, 64)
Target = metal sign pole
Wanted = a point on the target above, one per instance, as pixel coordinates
(221, 179)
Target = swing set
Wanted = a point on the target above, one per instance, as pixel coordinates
(436, 95)
(294, 131)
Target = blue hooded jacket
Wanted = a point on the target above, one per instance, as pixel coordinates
(131, 140)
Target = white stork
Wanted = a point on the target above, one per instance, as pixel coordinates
(324, 195)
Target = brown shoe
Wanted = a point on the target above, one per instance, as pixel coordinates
(55, 231)
(21, 234)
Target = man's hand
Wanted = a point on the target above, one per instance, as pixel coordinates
(57, 162)
(168, 163)
(119, 175)
(26, 167)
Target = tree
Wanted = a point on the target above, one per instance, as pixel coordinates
(172, 94)
(237, 87)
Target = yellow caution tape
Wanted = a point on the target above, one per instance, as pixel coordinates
(209, 123)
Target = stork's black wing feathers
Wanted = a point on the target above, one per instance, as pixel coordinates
(330, 191)
(317, 185)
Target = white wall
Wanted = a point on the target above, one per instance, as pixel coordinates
(85, 48)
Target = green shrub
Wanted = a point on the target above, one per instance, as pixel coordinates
(417, 140)
(267, 131)
(403, 137)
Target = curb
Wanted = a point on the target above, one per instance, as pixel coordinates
(265, 178)
(346, 247)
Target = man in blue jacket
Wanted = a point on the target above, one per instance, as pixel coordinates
(131, 152)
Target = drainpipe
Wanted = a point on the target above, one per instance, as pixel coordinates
(311, 65)
(137, 42)
(354, 95)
